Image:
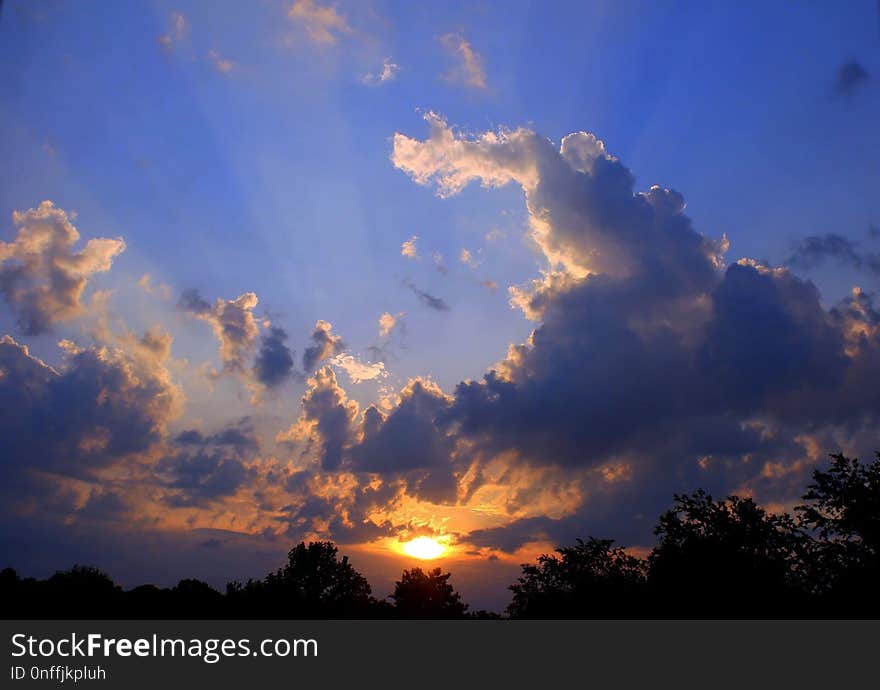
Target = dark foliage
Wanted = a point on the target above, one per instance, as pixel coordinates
(592, 579)
(313, 584)
(420, 594)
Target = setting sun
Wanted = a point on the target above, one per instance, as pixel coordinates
(424, 548)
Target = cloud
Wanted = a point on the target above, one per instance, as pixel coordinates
(98, 407)
(851, 78)
(471, 67)
(426, 298)
(490, 285)
(812, 251)
(202, 476)
(388, 322)
(221, 64)
(324, 345)
(274, 362)
(358, 370)
(326, 422)
(409, 248)
(232, 321)
(650, 353)
(322, 23)
(388, 73)
(467, 258)
(239, 435)
(439, 263)
(42, 276)
(177, 31)
(145, 283)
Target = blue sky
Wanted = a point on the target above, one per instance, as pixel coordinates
(248, 147)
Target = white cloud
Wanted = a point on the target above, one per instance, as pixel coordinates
(388, 73)
(358, 370)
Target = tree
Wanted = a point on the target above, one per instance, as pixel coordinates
(420, 594)
(82, 591)
(727, 557)
(590, 579)
(842, 506)
(313, 584)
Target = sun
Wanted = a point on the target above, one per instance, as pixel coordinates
(424, 548)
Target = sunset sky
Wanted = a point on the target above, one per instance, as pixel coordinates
(496, 274)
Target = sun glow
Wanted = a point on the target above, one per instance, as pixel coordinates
(424, 548)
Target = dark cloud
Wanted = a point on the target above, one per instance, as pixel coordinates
(814, 250)
(324, 345)
(326, 423)
(647, 351)
(851, 77)
(240, 435)
(274, 362)
(426, 298)
(99, 407)
(202, 476)
(42, 277)
(191, 300)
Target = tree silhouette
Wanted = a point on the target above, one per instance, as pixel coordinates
(420, 594)
(842, 506)
(313, 584)
(591, 579)
(727, 557)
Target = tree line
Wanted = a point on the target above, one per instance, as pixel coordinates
(713, 558)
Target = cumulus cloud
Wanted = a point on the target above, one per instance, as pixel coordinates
(42, 275)
(325, 344)
(326, 424)
(274, 362)
(426, 298)
(409, 248)
(650, 354)
(322, 23)
(98, 407)
(470, 69)
(232, 321)
(386, 74)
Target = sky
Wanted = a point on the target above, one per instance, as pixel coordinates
(501, 275)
